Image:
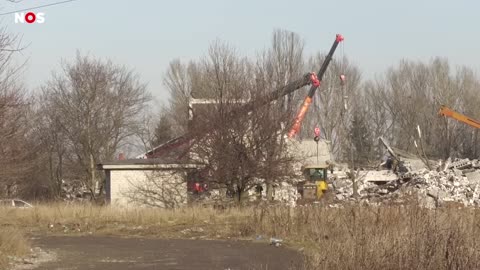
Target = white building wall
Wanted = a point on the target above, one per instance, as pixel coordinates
(162, 188)
(306, 151)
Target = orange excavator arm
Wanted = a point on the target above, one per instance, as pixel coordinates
(447, 112)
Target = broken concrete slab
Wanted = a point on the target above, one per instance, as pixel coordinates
(380, 176)
(460, 164)
(437, 193)
(476, 163)
(457, 172)
(465, 171)
(341, 183)
(473, 177)
(414, 164)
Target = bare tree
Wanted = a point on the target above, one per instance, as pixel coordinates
(377, 113)
(179, 79)
(16, 146)
(58, 161)
(246, 149)
(280, 64)
(283, 62)
(97, 106)
(411, 94)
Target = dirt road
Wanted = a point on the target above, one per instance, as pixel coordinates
(112, 253)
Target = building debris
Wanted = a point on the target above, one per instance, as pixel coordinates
(430, 187)
(473, 177)
(74, 190)
(460, 164)
(380, 176)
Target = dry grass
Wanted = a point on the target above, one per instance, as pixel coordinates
(138, 221)
(12, 244)
(354, 237)
(382, 237)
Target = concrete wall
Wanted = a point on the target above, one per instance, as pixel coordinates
(306, 151)
(162, 188)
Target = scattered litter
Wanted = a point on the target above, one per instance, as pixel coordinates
(276, 242)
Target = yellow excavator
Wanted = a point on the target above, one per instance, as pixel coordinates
(315, 184)
(447, 112)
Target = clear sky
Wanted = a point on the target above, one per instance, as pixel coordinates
(147, 34)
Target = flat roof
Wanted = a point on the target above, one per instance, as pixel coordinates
(146, 164)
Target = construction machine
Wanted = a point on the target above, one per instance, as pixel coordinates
(447, 112)
(315, 174)
(316, 81)
(315, 184)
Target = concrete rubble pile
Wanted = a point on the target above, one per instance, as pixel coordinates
(283, 192)
(74, 191)
(457, 181)
(286, 193)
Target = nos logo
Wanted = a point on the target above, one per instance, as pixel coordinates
(29, 17)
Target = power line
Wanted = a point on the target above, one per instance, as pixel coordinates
(37, 7)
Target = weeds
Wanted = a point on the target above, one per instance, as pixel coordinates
(12, 244)
(352, 237)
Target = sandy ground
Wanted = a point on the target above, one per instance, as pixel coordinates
(113, 253)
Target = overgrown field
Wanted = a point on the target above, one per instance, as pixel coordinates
(352, 237)
(12, 244)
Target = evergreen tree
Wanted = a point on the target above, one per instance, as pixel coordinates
(360, 137)
(163, 131)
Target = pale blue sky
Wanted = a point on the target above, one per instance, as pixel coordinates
(147, 34)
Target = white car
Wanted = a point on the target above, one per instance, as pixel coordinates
(15, 203)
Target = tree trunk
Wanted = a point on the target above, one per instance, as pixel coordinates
(93, 181)
(53, 179)
(269, 191)
(353, 176)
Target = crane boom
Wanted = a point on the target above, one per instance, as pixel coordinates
(309, 78)
(447, 112)
(316, 80)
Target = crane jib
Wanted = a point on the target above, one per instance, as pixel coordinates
(308, 99)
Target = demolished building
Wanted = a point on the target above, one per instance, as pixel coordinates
(429, 183)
